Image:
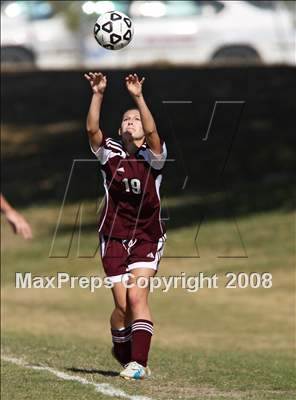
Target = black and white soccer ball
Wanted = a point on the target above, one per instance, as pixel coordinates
(113, 30)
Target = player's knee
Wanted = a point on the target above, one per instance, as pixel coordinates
(136, 299)
(121, 309)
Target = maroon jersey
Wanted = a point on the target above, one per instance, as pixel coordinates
(131, 182)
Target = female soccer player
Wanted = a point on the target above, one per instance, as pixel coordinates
(132, 235)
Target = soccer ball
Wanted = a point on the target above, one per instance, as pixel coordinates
(113, 30)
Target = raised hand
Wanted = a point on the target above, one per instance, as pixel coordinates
(98, 81)
(134, 85)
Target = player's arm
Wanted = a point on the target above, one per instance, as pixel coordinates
(98, 83)
(134, 86)
(16, 220)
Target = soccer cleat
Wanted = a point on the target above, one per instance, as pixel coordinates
(116, 358)
(134, 370)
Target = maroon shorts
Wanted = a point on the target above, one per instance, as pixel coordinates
(119, 256)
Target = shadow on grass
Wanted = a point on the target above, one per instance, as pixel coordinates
(93, 371)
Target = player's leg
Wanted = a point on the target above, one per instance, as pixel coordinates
(114, 257)
(137, 295)
(118, 316)
(120, 325)
(142, 326)
(143, 262)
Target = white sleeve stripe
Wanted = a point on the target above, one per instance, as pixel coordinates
(116, 151)
(111, 147)
(156, 161)
(112, 140)
(106, 151)
(113, 143)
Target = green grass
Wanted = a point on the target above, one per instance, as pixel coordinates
(212, 344)
(203, 374)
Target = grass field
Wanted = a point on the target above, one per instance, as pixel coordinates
(211, 344)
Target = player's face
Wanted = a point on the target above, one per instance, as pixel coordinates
(131, 126)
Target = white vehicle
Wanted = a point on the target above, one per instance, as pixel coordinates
(199, 32)
(165, 32)
(32, 34)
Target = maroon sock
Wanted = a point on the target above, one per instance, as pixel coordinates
(142, 331)
(121, 339)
